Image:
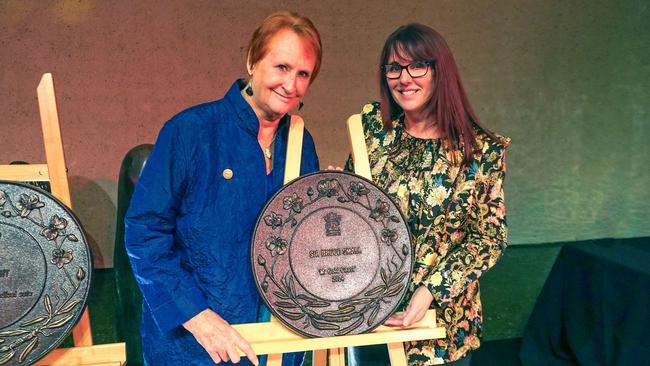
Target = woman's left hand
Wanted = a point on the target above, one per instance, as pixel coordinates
(415, 311)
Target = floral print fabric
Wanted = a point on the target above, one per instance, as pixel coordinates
(456, 214)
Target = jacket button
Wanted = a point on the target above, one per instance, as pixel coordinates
(227, 173)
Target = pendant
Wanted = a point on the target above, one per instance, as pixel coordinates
(267, 152)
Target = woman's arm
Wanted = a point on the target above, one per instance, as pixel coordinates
(150, 225)
(486, 233)
(168, 290)
(483, 244)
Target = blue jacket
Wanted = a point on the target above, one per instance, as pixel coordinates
(189, 224)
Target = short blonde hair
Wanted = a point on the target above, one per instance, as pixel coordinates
(302, 26)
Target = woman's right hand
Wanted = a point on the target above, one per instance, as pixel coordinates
(415, 310)
(218, 338)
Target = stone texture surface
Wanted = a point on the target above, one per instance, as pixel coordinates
(331, 255)
(45, 268)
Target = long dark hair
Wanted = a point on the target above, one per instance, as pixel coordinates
(449, 104)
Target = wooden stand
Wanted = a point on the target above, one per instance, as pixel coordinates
(273, 338)
(54, 171)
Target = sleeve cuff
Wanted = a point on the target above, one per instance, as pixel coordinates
(176, 312)
(436, 285)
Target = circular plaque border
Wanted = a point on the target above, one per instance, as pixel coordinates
(284, 295)
(58, 231)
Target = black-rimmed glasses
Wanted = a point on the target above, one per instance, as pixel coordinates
(416, 69)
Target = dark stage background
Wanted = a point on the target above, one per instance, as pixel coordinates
(568, 81)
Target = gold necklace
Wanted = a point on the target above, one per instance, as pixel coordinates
(267, 149)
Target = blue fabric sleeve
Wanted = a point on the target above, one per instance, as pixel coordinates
(150, 227)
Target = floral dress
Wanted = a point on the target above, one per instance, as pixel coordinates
(456, 214)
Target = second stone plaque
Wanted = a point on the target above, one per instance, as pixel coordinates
(331, 255)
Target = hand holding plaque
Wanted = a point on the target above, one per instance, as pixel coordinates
(218, 338)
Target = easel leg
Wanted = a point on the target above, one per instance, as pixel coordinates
(397, 354)
(81, 334)
(336, 357)
(274, 359)
(319, 357)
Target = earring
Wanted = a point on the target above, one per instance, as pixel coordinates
(249, 90)
(300, 105)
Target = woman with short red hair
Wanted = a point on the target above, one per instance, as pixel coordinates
(192, 215)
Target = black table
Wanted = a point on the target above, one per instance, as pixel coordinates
(594, 308)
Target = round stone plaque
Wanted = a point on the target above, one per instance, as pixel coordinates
(45, 267)
(331, 255)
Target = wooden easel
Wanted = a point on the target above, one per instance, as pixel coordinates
(273, 338)
(54, 171)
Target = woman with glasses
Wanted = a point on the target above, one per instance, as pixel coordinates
(192, 215)
(428, 150)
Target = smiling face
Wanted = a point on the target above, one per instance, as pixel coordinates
(280, 79)
(411, 94)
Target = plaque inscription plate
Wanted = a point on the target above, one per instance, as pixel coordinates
(45, 268)
(331, 255)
